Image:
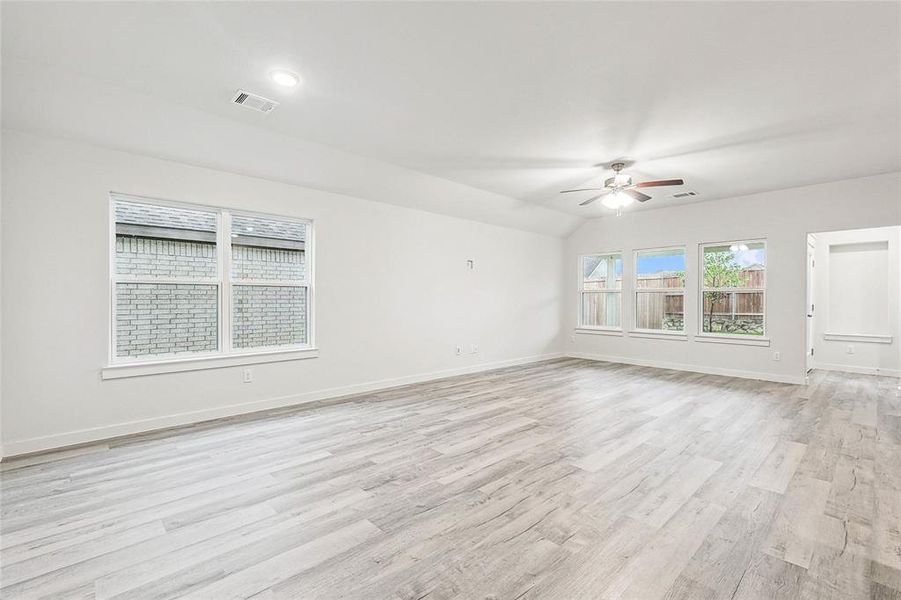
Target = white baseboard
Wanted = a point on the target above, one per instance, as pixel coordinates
(98, 434)
(858, 370)
(779, 378)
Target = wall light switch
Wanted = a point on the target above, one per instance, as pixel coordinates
(777, 356)
(850, 349)
(475, 349)
(459, 350)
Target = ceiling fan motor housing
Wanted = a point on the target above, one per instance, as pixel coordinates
(618, 180)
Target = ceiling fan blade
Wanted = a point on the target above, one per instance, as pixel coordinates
(582, 190)
(593, 198)
(637, 195)
(659, 183)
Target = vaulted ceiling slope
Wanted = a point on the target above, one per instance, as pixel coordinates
(478, 110)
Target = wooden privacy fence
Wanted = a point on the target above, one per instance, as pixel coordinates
(733, 303)
(752, 278)
(656, 310)
(664, 281)
(661, 310)
(596, 312)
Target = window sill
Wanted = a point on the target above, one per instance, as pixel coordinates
(659, 335)
(600, 331)
(140, 369)
(865, 338)
(739, 340)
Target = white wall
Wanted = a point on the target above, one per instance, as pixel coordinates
(1, 324)
(393, 300)
(871, 297)
(784, 218)
(393, 295)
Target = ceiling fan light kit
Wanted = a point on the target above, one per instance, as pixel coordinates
(617, 200)
(619, 191)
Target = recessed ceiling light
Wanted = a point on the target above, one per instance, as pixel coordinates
(284, 78)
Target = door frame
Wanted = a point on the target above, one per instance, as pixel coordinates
(810, 304)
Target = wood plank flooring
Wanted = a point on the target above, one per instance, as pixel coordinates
(565, 480)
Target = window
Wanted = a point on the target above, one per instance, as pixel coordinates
(194, 282)
(600, 291)
(660, 290)
(268, 281)
(734, 288)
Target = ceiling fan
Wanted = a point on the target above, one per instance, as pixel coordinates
(619, 189)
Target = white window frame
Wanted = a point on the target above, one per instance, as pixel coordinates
(704, 336)
(226, 355)
(582, 291)
(671, 291)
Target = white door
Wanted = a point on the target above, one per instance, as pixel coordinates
(811, 304)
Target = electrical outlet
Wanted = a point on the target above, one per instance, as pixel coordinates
(850, 349)
(459, 350)
(777, 356)
(248, 375)
(474, 349)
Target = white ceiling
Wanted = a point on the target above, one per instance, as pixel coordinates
(516, 100)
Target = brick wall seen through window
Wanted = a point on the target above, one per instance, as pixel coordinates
(171, 295)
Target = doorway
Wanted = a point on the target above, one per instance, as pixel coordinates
(853, 301)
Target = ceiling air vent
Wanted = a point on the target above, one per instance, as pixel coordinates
(254, 102)
(684, 194)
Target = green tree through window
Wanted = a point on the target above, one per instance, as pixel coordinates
(720, 271)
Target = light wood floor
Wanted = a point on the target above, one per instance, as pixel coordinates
(567, 480)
